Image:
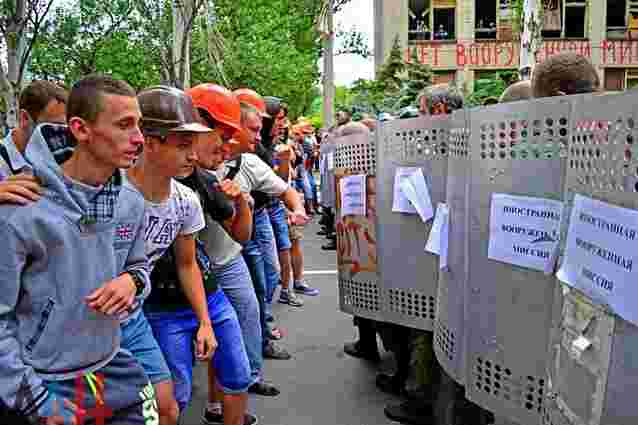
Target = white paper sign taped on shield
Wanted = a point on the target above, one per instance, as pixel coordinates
(601, 255)
(524, 231)
(416, 190)
(438, 240)
(353, 195)
(401, 203)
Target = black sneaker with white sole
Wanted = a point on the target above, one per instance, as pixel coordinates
(213, 418)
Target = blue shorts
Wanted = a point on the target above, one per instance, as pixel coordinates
(126, 395)
(137, 337)
(176, 330)
(279, 223)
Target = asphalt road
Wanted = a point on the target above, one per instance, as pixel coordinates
(320, 384)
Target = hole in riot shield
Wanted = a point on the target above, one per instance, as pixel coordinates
(502, 154)
(483, 155)
(630, 123)
(563, 121)
(536, 123)
(492, 155)
(627, 155)
(630, 139)
(524, 134)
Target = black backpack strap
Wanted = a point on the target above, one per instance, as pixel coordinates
(5, 156)
(233, 170)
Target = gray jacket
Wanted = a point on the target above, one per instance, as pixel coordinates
(50, 262)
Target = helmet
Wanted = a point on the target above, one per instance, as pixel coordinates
(273, 105)
(219, 102)
(168, 109)
(252, 98)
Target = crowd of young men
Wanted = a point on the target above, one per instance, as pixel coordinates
(142, 230)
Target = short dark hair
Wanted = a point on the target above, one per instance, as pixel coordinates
(35, 97)
(85, 100)
(565, 72)
(208, 118)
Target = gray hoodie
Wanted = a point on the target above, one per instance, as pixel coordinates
(50, 262)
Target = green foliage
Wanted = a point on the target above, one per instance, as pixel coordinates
(90, 36)
(491, 87)
(271, 46)
(390, 72)
(419, 76)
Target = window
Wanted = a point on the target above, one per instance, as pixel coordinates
(564, 19)
(631, 81)
(485, 20)
(622, 19)
(618, 79)
(432, 20)
(419, 18)
(614, 79)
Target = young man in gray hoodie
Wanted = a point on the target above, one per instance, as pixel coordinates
(73, 265)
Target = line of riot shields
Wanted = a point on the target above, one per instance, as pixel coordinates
(506, 333)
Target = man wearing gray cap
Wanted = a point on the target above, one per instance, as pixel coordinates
(186, 309)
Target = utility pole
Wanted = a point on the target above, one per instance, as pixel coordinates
(530, 38)
(328, 69)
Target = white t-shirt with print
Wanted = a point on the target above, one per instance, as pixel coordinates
(180, 215)
(254, 175)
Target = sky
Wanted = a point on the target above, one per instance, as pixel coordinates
(348, 68)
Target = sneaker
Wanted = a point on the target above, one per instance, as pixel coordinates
(290, 298)
(212, 418)
(304, 289)
(273, 352)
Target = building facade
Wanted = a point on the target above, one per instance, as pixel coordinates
(464, 40)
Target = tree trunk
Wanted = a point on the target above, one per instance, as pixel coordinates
(530, 38)
(328, 70)
(182, 23)
(11, 78)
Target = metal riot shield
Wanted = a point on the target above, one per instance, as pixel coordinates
(327, 162)
(449, 329)
(597, 386)
(359, 291)
(516, 149)
(409, 275)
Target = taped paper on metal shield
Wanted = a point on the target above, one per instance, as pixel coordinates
(401, 203)
(524, 231)
(438, 240)
(600, 254)
(353, 195)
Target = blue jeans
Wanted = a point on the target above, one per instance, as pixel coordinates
(257, 267)
(234, 279)
(137, 337)
(267, 237)
(175, 332)
(313, 185)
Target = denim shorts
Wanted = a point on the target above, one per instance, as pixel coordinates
(176, 330)
(126, 397)
(137, 337)
(279, 223)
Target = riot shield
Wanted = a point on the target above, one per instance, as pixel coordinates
(516, 149)
(359, 292)
(449, 329)
(327, 153)
(597, 386)
(409, 275)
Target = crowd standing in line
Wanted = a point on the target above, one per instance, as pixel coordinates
(150, 229)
